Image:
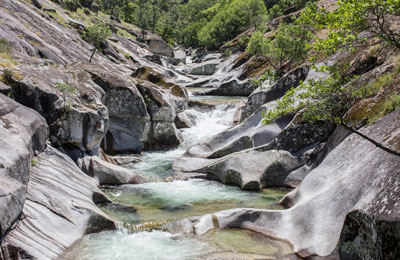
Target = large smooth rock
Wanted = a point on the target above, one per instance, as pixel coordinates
(264, 95)
(59, 208)
(130, 122)
(76, 119)
(252, 170)
(172, 93)
(162, 107)
(352, 199)
(207, 68)
(23, 133)
(232, 87)
(182, 120)
(160, 47)
(180, 55)
(107, 173)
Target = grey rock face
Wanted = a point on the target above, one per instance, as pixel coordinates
(107, 173)
(207, 68)
(160, 47)
(252, 170)
(183, 121)
(23, 133)
(276, 91)
(4, 89)
(180, 55)
(232, 87)
(162, 107)
(300, 135)
(370, 236)
(59, 207)
(76, 119)
(129, 119)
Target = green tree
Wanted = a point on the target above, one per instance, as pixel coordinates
(96, 35)
(288, 46)
(350, 19)
(231, 18)
(325, 99)
(256, 10)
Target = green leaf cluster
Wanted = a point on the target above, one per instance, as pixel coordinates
(5, 46)
(207, 23)
(66, 91)
(287, 46)
(97, 34)
(325, 99)
(349, 19)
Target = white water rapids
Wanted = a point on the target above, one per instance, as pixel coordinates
(160, 200)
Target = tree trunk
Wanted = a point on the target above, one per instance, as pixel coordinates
(377, 144)
(91, 57)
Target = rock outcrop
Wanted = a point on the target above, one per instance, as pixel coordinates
(206, 68)
(58, 210)
(356, 185)
(232, 87)
(51, 51)
(264, 95)
(253, 170)
(107, 173)
(23, 134)
(250, 133)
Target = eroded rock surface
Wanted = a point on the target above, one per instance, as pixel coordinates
(23, 134)
(59, 208)
(274, 92)
(107, 173)
(355, 176)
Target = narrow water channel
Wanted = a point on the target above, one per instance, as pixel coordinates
(144, 206)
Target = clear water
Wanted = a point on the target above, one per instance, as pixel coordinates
(167, 201)
(155, 245)
(157, 166)
(161, 201)
(159, 245)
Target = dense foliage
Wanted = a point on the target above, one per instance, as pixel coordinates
(344, 24)
(329, 98)
(207, 23)
(286, 47)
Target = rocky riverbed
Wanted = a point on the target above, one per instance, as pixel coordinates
(161, 153)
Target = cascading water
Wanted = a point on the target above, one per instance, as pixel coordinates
(162, 200)
(156, 166)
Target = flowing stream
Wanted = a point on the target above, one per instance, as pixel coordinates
(142, 207)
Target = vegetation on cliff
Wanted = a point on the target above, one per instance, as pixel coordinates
(193, 23)
(330, 98)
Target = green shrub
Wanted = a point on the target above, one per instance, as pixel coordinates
(7, 77)
(96, 35)
(5, 46)
(66, 91)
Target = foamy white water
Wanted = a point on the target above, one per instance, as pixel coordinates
(170, 200)
(155, 245)
(157, 165)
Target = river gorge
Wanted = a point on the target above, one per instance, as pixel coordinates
(134, 148)
(148, 206)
